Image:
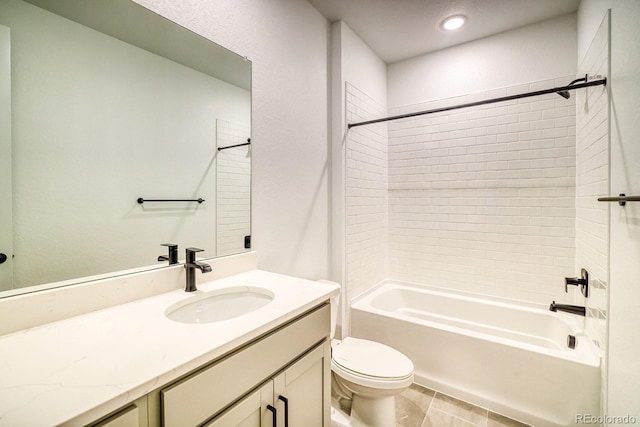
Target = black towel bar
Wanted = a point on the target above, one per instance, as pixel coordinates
(141, 200)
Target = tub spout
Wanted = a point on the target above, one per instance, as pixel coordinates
(575, 309)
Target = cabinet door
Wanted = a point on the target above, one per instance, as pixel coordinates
(301, 392)
(134, 415)
(252, 411)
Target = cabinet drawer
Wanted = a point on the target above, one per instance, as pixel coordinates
(203, 394)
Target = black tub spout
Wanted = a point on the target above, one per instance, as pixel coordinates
(575, 309)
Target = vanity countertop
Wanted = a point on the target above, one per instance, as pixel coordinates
(79, 369)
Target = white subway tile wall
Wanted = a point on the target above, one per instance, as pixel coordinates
(592, 181)
(483, 198)
(366, 197)
(233, 184)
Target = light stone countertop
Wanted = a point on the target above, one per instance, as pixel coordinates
(79, 369)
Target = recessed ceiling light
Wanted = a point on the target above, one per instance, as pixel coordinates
(453, 22)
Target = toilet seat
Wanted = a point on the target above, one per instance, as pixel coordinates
(371, 364)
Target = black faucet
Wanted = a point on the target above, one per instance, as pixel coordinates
(173, 254)
(190, 266)
(575, 309)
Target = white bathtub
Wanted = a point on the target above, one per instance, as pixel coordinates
(509, 357)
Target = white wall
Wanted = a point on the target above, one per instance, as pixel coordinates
(624, 268)
(536, 52)
(360, 65)
(287, 42)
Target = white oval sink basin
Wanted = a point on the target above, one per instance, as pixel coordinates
(218, 305)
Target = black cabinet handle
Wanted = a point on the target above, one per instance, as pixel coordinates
(286, 410)
(3, 258)
(275, 417)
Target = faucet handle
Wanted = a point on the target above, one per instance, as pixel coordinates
(575, 281)
(194, 250)
(173, 253)
(191, 254)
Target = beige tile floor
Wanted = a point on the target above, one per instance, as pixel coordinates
(420, 407)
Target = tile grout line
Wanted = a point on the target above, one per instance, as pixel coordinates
(426, 414)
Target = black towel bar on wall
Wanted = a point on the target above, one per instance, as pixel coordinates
(141, 200)
(622, 199)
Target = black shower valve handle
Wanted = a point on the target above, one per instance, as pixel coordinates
(575, 281)
(582, 282)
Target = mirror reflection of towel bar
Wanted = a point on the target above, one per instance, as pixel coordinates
(141, 200)
(237, 145)
(622, 199)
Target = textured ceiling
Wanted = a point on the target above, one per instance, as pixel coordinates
(401, 29)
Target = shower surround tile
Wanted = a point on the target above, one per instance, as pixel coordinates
(366, 197)
(479, 199)
(592, 181)
(483, 199)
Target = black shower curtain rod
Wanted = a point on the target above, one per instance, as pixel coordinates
(486, 101)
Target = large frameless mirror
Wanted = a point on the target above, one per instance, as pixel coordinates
(106, 108)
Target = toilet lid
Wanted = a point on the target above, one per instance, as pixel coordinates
(370, 358)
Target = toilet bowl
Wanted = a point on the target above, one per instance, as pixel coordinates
(370, 374)
(365, 377)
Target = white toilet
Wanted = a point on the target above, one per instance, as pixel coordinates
(365, 377)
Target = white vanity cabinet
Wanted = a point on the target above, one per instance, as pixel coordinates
(293, 361)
